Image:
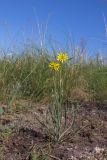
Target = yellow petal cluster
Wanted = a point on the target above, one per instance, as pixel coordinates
(62, 57)
(54, 66)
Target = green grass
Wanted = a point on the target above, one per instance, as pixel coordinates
(28, 77)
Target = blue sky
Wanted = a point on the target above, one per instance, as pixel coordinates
(79, 18)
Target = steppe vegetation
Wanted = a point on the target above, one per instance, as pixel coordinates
(53, 110)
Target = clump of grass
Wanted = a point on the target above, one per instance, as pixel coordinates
(56, 123)
(35, 156)
(24, 77)
(28, 76)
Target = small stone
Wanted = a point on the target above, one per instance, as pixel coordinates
(99, 150)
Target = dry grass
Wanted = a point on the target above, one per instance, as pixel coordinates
(28, 77)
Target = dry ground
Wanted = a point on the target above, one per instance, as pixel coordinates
(22, 138)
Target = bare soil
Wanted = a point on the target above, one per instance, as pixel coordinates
(21, 135)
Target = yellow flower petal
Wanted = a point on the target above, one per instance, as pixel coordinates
(54, 66)
(62, 57)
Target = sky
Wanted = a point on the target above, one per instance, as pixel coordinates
(80, 19)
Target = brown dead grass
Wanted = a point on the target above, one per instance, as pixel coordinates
(81, 95)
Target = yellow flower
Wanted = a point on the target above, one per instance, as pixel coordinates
(62, 57)
(54, 66)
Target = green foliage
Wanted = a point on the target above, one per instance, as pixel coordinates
(28, 76)
(35, 156)
(98, 82)
(1, 111)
